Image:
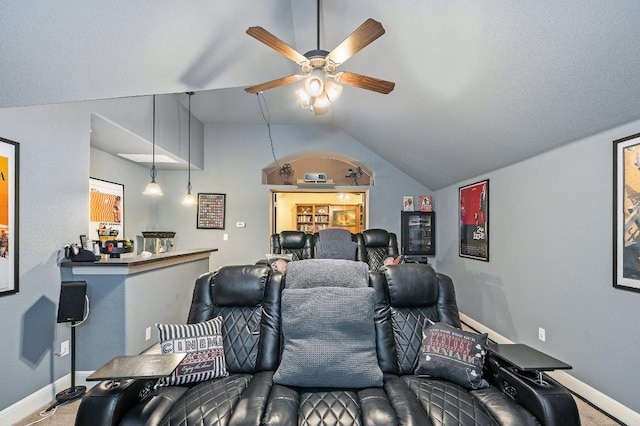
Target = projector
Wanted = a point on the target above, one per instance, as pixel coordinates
(315, 177)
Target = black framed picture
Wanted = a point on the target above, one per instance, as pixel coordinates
(626, 213)
(9, 191)
(473, 206)
(106, 210)
(418, 233)
(211, 211)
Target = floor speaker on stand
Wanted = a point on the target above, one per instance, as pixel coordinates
(71, 309)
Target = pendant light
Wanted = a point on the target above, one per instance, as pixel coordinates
(153, 188)
(189, 200)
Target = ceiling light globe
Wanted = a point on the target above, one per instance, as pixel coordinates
(189, 200)
(314, 84)
(303, 96)
(333, 90)
(153, 189)
(322, 101)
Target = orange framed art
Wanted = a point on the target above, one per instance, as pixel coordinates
(9, 166)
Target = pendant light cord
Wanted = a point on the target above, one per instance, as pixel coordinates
(153, 143)
(189, 173)
(267, 120)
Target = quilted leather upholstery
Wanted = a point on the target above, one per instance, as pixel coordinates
(209, 403)
(448, 404)
(407, 330)
(241, 333)
(296, 243)
(374, 245)
(332, 408)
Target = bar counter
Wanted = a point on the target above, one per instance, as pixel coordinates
(131, 264)
(128, 296)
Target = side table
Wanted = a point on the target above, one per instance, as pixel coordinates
(526, 358)
(152, 366)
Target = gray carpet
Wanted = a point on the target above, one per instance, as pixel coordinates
(66, 414)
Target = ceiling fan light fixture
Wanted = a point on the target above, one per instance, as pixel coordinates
(333, 90)
(321, 101)
(314, 84)
(303, 96)
(320, 110)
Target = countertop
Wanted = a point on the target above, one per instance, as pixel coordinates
(128, 264)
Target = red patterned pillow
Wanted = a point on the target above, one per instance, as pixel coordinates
(453, 354)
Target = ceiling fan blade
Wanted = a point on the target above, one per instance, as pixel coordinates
(364, 82)
(275, 43)
(365, 34)
(273, 83)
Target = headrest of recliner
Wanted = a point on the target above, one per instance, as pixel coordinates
(375, 238)
(411, 284)
(292, 239)
(241, 285)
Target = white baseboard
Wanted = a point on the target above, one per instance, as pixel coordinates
(40, 398)
(594, 396)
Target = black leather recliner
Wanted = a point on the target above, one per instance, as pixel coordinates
(297, 243)
(374, 245)
(248, 299)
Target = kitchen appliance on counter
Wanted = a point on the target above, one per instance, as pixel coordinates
(114, 248)
(156, 241)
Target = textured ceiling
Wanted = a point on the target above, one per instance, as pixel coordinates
(479, 85)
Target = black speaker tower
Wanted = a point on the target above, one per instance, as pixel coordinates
(71, 309)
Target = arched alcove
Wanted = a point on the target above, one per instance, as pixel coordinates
(336, 166)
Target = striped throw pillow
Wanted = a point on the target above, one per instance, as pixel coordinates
(203, 344)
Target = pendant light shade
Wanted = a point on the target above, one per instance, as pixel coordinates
(153, 188)
(188, 199)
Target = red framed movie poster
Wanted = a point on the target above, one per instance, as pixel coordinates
(473, 206)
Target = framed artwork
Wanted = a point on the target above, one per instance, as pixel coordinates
(211, 211)
(626, 213)
(407, 203)
(426, 203)
(473, 206)
(342, 218)
(9, 191)
(106, 210)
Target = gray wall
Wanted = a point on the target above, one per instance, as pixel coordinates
(56, 162)
(54, 166)
(234, 158)
(550, 266)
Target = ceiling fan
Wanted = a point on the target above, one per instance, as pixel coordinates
(319, 66)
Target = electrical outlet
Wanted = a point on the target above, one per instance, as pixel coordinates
(64, 348)
(225, 237)
(542, 334)
(147, 333)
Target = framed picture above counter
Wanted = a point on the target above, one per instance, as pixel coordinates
(211, 211)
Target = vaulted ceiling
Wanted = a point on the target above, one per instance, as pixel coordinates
(479, 84)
